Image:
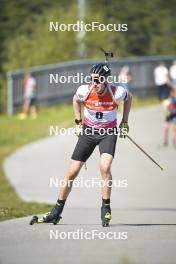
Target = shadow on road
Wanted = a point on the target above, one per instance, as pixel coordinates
(148, 209)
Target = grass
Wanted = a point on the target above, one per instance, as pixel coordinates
(15, 133)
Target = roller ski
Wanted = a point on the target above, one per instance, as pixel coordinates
(105, 215)
(51, 217)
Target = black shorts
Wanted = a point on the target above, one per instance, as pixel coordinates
(31, 101)
(87, 143)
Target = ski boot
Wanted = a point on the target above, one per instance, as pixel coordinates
(105, 214)
(51, 217)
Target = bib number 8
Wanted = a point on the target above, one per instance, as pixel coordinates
(99, 115)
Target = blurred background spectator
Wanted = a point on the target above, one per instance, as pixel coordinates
(170, 120)
(161, 78)
(125, 76)
(29, 87)
(172, 72)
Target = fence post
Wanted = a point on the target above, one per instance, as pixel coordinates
(10, 109)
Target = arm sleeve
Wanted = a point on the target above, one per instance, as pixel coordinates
(82, 92)
(121, 94)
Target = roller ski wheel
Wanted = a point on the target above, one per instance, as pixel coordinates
(106, 215)
(34, 220)
(37, 220)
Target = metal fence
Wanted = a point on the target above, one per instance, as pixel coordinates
(141, 85)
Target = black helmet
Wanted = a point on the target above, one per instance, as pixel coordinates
(102, 69)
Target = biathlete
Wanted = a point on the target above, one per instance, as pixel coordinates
(100, 100)
(170, 120)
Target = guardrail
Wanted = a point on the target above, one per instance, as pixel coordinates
(141, 70)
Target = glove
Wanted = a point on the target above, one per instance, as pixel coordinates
(78, 130)
(124, 129)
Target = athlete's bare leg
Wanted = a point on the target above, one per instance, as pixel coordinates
(25, 110)
(105, 169)
(174, 135)
(71, 174)
(26, 107)
(33, 109)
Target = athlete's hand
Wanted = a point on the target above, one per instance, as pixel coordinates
(124, 129)
(78, 130)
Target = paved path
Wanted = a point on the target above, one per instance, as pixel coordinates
(145, 209)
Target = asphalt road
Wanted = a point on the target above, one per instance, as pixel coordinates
(143, 202)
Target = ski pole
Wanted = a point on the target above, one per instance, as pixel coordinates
(144, 152)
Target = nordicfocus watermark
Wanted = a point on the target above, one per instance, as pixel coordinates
(80, 234)
(80, 26)
(88, 131)
(81, 78)
(81, 182)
